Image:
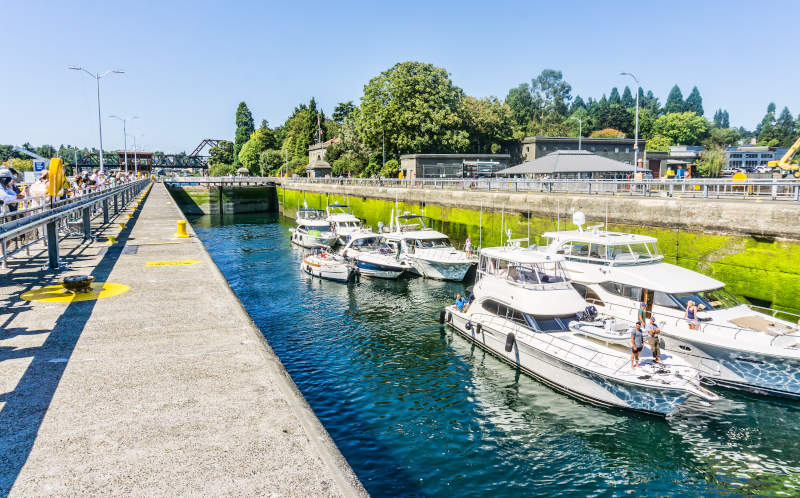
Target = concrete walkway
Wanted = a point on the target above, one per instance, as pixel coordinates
(166, 389)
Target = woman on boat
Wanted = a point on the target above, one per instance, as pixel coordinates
(691, 315)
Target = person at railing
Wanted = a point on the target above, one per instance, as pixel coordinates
(460, 302)
(468, 246)
(691, 314)
(39, 188)
(7, 193)
(653, 333)
(637, 344)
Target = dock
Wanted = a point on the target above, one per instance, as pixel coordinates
(158, 383)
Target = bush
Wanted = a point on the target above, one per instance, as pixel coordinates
(298, 166)
(711, 161)
(658, 142)
(607, 133)
(270, 161)
(221, 170)
(390, 169)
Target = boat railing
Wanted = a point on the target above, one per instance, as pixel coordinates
(774, 313)
(703, 327)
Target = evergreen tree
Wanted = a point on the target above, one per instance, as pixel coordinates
(244, 128)
(613, 97)
(674, 101)
(694, 102)
(650, 102)
(627, 98)
(766, 131)
(577, 104)
(785, 128)
(721, 119)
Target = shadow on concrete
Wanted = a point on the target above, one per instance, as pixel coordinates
(26, 406)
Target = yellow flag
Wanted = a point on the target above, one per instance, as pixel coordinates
(55, 177)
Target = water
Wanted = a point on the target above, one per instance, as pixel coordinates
(418, 411)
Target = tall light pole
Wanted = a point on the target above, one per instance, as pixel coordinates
(580, 130)
(97, 77)
(125, 136)
(636, 133)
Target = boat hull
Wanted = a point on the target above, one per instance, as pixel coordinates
(566, 378)
(441, 270)
(337, 273)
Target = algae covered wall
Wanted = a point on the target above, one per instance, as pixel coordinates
(762, 270)
(201, 199)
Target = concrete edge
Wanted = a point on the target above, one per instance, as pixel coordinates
(318, 436)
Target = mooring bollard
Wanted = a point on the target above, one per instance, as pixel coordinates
(181, 233)
(112, 239)
(122, 225)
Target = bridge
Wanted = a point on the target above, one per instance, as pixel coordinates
(197, 159)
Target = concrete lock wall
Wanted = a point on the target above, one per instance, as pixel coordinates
(201, 199)
(753, 248)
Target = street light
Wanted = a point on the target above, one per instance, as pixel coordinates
(580, 129)
(125, 136)
(97, 77)
(636, 137)
(135, 161)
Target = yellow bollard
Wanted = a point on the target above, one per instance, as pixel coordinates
(181, 233)
(130, 216)
(122, 225)
(112, 239)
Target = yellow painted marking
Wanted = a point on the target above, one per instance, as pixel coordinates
(184, 262)
(57, 294)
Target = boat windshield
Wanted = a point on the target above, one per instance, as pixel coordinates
(709, 300)
(348, 224)
(525, 274)
(433, 243)
(618, 254)
(369, 243)
(311, 214)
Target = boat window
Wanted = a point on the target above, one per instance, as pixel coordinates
(714, 299)
(623, 290)
(434, 243)
(549, 323)
(641, 251)
(588, 294)
(598, 251)
(666, 300)
(579, 249)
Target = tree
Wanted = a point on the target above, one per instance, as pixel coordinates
(722, 137)
(685, 128)
(221, 170)
(248, 155)
(551, 94)
(785, 130)
(675, 102)
(694, 102)
(390, 169)
(416, 107)
(627, 98)
(712, 161)
(342, 111)
(244, 128)
(607, 133)
(658, 142)
(649, 101)
(721, 119)
(766, 131)
(616, 117)
(520, 101)
(613, 97)
(489, 123)
(270, 161)
(221, 154)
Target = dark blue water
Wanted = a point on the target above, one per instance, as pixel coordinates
(419, 412)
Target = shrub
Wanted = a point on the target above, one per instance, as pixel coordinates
(607, 133)
(221, 170)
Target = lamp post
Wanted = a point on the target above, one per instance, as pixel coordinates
(636, 133)
(97, 77)
(580, 130)
(125, 136)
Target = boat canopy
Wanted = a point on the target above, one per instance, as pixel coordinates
(663, 277)
(607, 248)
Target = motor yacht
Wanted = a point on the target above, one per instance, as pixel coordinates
(326, 265)
(428, 253)
(522, 310)
(312, 229)
(373, 257)
(344, 223)
(731, 343)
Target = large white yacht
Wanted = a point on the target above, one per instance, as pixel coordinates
(344, 222)
(732, 344)
(429, 253)
(373, 257)
(312, 229)
(522, 310)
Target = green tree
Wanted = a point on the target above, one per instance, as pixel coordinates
(694, 102)
(785, 130)
(627, 98)
(221, 170)
(270, 162)
(658, 142)
(488, 121)
(244, 128)
(614, 98)
(520, 101)
(551, 94)
(721, 119)
(342, 111)
(649, 101)
(248, 155)
(722, 137)
(712, 161)
(416, 107)
(221, 154)
(686, 128)
(766, 131)
(675, 102)
(390, 169)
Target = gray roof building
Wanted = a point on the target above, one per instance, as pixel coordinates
(572, 164)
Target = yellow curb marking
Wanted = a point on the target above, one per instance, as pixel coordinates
(56, 293)
(184, 262)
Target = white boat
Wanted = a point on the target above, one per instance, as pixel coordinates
(373, 257)
(522, 310)
(344, 223)
(733, 344)
(328, 266)
(429, 253)
(312, 229)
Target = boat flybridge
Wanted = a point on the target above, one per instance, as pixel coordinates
(312, 229)
(373, 257)
(344, 222)
(522, 310)
(731, 343)
(428, 253)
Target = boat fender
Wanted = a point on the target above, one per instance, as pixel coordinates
(478, 329)
(510, 342)
(449, 317)
(468, 325)
(441, 316)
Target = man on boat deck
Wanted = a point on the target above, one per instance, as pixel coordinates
(652, 338)
(460, 302)
(637, 344)
(642, 314)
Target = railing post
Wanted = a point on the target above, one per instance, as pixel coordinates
(116, 205)
(774, 190)
(87, 223)
(52, 245)
(705, 191)
(671, 188)
(797, 193)
(105, 210)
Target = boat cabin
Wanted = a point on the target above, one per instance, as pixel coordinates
(310, 214)
(529, 268)
(604, 248)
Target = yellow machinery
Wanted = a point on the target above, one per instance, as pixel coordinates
(785, 163)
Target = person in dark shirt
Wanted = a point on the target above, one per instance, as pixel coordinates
(637, 344)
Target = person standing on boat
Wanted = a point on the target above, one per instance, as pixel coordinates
(642, 314)
(637, 344)
(652, 338)
(468, 247)
(691, 315)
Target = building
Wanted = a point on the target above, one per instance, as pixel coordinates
(618, 149)
(452, 165)
(669, 163)
(137, 160)
(317, 166)
(573, 164)
(751, 156)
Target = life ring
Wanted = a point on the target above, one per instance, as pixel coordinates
(478, 329)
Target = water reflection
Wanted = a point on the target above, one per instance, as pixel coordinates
(418, 410)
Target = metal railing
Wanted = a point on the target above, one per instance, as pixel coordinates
(778, 189)
(51, 214)
(220, 180)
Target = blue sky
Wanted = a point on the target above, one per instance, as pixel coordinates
(189, 63)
